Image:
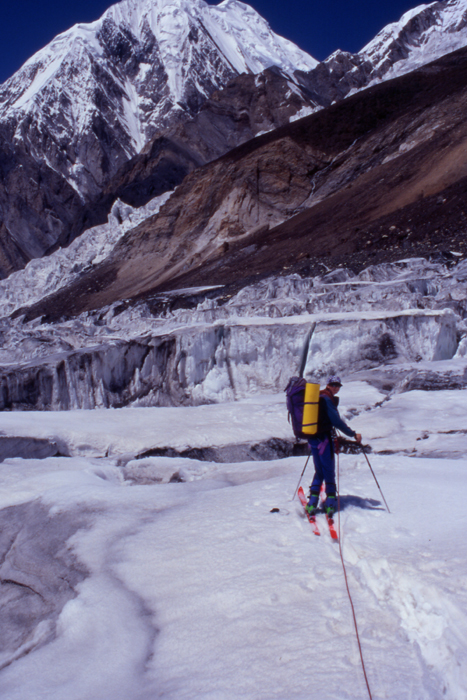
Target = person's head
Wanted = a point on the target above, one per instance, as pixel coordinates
(334, 384)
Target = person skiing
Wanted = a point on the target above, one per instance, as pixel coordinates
(322, 447)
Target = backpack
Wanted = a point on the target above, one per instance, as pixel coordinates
(295, 397)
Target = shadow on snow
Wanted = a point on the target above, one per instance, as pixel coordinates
(358, 502)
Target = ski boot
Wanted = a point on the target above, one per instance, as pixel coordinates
(330, 506)
(313, 503)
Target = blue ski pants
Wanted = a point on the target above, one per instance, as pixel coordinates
(325, 468)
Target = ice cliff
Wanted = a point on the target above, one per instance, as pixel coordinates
(196, 346)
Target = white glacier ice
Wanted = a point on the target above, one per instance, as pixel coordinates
(135, 558)
(211, 349)
(46, 275)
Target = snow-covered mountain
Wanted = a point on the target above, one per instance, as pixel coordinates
(192, 577)
(419, 37)
(103, 512)
(85, 104)
(98, 92)
(93, 97)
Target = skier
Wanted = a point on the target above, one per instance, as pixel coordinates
(322, 447)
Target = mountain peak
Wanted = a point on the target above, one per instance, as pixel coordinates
(141, 62)
(422, 35)
(98, 93)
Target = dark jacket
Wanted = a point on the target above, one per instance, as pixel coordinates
(328, 416)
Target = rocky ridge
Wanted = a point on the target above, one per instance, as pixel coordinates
(421, 36)
(249, 106)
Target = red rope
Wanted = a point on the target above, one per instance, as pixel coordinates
(346, 580)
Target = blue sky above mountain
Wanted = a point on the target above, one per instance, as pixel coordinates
(318, 28)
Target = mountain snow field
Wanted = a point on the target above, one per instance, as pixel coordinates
(422, 35)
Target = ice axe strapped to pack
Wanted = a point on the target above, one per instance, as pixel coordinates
(303, 397)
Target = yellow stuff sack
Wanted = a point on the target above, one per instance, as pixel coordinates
(310, 409)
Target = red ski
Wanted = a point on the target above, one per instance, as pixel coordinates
(332, 529)
(330, 521)
(311, 518)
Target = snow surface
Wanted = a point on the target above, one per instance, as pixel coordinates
(180, 581)
(197, 590)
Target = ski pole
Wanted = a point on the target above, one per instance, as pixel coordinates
(374, 475)
(301, 476)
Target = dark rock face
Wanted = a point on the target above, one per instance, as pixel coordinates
(39, 210)
(351, 184)
(247, 106)
(274, 448)
(334, 78)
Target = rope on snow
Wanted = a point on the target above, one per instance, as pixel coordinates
(347, 582)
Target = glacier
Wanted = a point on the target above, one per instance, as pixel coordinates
(167, 351)
(66, 264)
(154, 519)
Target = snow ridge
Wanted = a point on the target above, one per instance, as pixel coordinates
(421, 35)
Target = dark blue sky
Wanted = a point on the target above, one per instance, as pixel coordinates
(317, 27)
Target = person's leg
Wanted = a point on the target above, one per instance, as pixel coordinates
(329, 474)
(318, 477)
